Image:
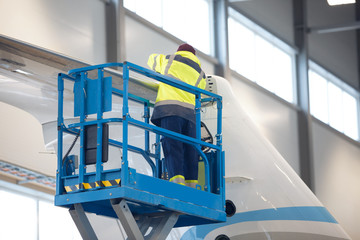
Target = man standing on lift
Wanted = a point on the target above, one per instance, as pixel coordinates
(174, 110)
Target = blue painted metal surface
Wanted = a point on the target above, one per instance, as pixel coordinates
(145, 194)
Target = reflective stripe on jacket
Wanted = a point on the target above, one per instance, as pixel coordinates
(183, 66)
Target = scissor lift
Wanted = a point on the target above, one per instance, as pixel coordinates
(142, 203)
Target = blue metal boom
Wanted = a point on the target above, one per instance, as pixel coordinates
(99, 191)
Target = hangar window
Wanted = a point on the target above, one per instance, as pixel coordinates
(29, 214)
(339, 2)
(194, 28)
(17, 212)
(59, 217)
(333, 102)
(261, 57)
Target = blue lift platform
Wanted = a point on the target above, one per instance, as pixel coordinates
(143, 203)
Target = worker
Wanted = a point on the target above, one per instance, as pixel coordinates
(175, 110)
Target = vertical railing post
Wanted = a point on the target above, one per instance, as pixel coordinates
(99, 150)
(220, 154)
(147, 134)
(198, 137)
(60, 121)
(147, 121)
(219, 123)
(222, 180)
(124, 163)
(198, 115)
(82, 166)
(160, 166)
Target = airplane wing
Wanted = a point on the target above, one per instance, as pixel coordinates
(28, 78)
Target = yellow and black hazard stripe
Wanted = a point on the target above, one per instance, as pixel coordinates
(105, 183)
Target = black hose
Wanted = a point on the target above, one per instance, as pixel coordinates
(71, 147)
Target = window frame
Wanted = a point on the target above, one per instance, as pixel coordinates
(344, 87)
(35, 195)
(275, 42)
(211, 43)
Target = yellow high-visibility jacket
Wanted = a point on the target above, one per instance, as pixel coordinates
(171, 101)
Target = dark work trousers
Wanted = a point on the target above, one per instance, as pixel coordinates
(181, 158)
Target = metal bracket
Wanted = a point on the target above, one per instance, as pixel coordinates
(146, 114)
(82, 222)
(160, 223)
(218, 137)
(132, 176)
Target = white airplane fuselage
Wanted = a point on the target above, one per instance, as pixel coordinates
(271, 200)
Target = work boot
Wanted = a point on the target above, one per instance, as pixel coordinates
(191, 183)
(179, 179)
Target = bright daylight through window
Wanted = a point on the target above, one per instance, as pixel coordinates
(169, 15)
(339, 2)
(260, 57)
(29, 217)
(332, 103)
